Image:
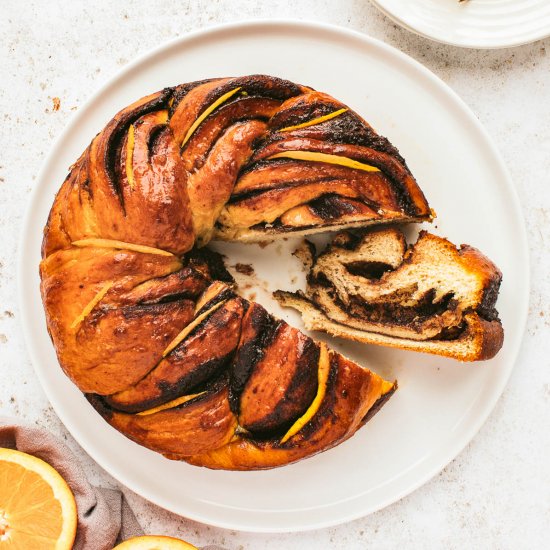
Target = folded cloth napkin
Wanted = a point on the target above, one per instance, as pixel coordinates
(104, 516)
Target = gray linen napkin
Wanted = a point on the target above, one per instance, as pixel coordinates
(104, 516)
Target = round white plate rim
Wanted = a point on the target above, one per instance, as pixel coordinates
(27, 308)
(470, 44)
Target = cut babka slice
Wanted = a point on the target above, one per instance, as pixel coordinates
(430, 297)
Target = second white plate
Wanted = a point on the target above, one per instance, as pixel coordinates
(474, 23)
(440, 404)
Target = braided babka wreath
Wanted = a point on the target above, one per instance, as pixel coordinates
(146, 322)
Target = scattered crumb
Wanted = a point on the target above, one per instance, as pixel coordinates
(305, 254)
(263, 244)
(3, 338)
(56, 103)
(251, 287)
(244, 269)
(293, 279)
(252, 296)
(7, 313)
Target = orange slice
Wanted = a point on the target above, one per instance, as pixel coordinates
(154, 542)
(37, 508)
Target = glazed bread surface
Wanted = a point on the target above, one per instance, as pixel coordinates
(146, 322)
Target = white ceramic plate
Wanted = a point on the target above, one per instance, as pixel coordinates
(475, 23)
(440, 404)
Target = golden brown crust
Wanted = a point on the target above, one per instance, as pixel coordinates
(134, 166)
(115, 333)
(489, 336)
(200, 357)
(282, 383)
(203, 423)
(351, 393)
(127, 297)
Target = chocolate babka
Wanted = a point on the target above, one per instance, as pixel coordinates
(147, 323)
(430, 297)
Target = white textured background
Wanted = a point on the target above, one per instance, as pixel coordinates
(496, 494)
